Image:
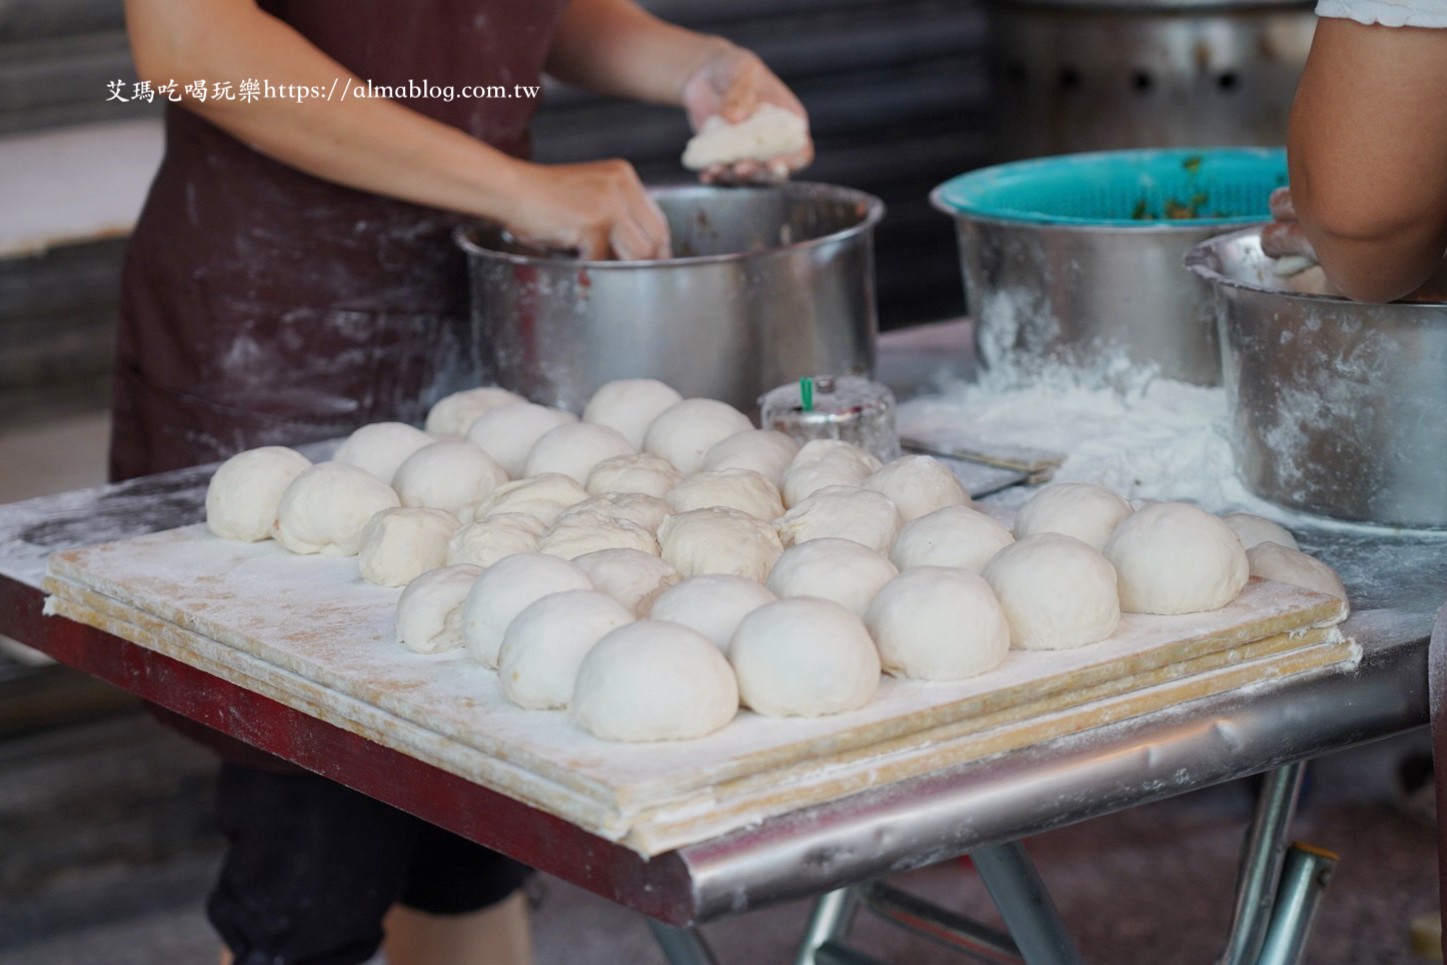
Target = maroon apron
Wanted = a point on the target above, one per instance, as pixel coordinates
(263, 306)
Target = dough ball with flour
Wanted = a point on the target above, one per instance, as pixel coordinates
(453, 415)
(399, 545)
(1272, 561)
(1089, 513)
(631, 577)
(504, 589)
(544, 645)
(642, 473)
(767, 452)
(1176, 558)
(834, 569)
(429, 612)
(493, 537)
(630, 406)
(704, 541)
(1057, 592)
(546, 497)
(742, 489)
(509, 432)
(918, 485)
(804, 657)
(936, 623)
(242, 499)
(380, 448)
(648, 512)
(826, 462)
(1254, 530)
(654, 681)
(686, 430)
(846, 512)
(713, 605)
(955, 536)
(326, 507)
(578, 533)
(574, 449)
(769, 132)
(449, 475)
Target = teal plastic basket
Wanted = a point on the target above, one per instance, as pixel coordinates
(1123, 189)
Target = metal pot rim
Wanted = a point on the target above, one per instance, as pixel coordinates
(1081, 227)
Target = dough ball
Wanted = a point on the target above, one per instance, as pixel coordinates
(399, 545)
(1254, 530)
(767, 452)
(804, 658)
(574, 449)
(704, 541)
(832, 569)
(955, 536)
(769, 132)
(453, 415)
(934, 623)
(491, 538)
(848, 512)
(1056, 591)
(545, 644)
(631, 577)
(742, 489)
(449, 475)
(630, 406)
(686, 430)
(1272, 561)
(713, 605)
(642, 473)
(242, 499)
(509, 432)
(1176, 558)
(504, 590)
(381, 448)
(579, 533)
(1089, 513)
(429, 612)
(653, 681)
(648, 512)
(918, 485)
(547, 497)
(826, 462)
(326, 507)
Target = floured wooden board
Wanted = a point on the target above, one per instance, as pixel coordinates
(306, 631)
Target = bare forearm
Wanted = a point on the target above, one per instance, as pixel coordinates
(615, 47)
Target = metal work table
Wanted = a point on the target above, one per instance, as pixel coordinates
(1397, 582)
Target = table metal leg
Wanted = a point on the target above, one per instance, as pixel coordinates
(949, 928)
(681, 946)
(833, 914)
(1023, 902)
(1261, 860)
(1304, 877)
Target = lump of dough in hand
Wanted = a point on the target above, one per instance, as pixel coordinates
(826, 462)
(579, 533)
(642, 473)
(804, 657)
(918, 485)
(1089, 513)
(547, 497)
(769, 132)
(430, 609)
(450, 475)
(742, 489)
(1057, 592)
(1272, 561)
(936, 623)
(834, 569)
(848, 512)
(716, 540)
(654, 681)
(453, 415)
(545, 644)
(767, 452)
(631, 577)
(493, 537)
(630, 406)
(1254, 530)
(242, 499)
(380, 448)
(502, 592)
(574, 449)
(399, 545)
(1176, 558)
(325, 509)
(648, 512)
(509, 432)
(686, 430)
(955, 536)
(714, 605)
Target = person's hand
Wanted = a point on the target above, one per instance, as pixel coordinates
(1283, 238)
(598, 210)
(733, 83)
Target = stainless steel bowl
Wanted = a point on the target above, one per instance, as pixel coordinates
(770, 285)
(1338, 408)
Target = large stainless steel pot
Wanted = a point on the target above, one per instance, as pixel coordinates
(769, 285)
(1338, 408)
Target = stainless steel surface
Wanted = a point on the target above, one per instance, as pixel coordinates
(1260, 873)
(1338, 408)
(846, 407)
(1304, 877)
(948, 928)
(770, 285)
(1022, 900)
(828, 923)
